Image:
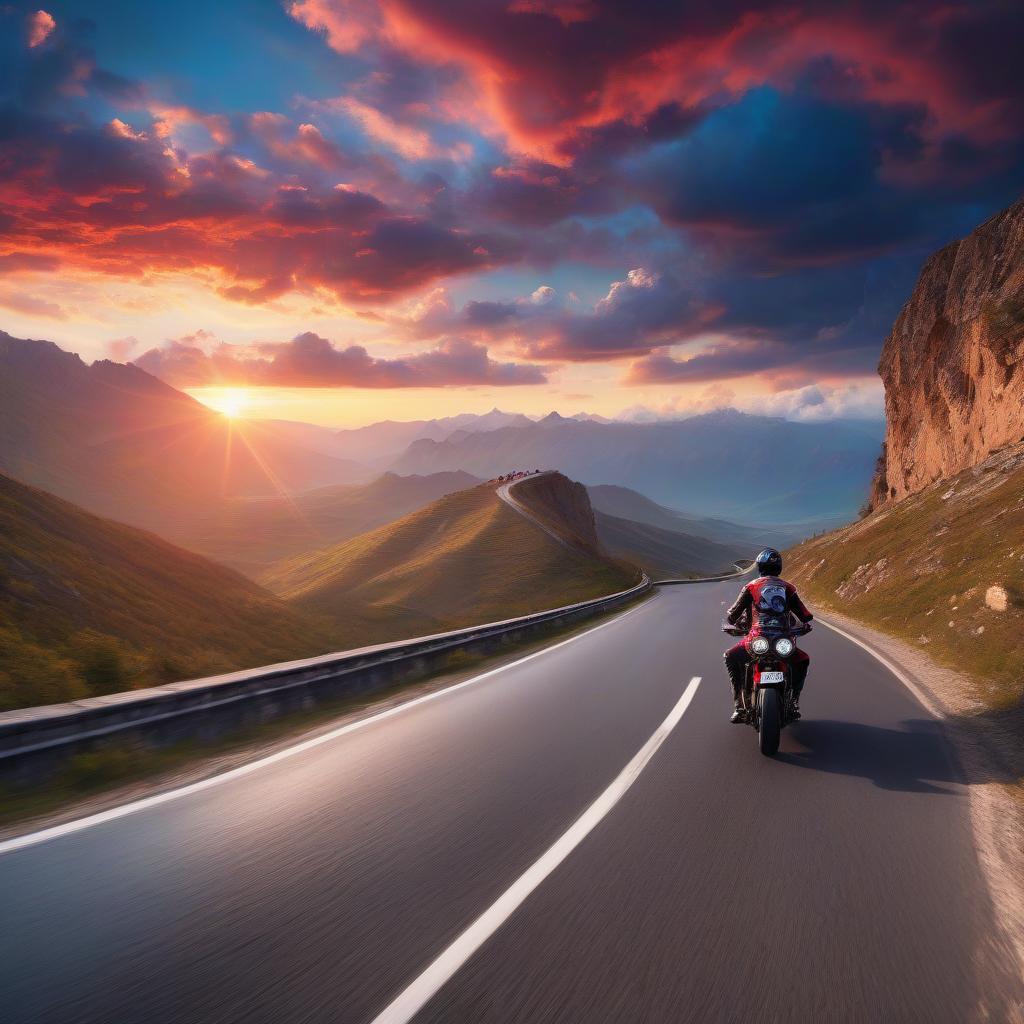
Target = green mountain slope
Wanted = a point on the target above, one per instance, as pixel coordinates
(90, 606)
(941, 569)
(464, 559)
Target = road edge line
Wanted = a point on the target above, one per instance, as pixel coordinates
(919, 694)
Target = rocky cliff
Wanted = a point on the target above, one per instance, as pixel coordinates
(564, 506)
(953, 365)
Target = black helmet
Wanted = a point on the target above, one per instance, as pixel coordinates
(769, 562)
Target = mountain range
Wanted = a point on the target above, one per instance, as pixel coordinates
(624, 503)
(666, 554)
(376, 445)
(727, 463)
(122, 443)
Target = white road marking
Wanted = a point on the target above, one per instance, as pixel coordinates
(429, 983)
(70, 827)
(923, 699)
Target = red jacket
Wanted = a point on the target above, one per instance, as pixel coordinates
(768, 603)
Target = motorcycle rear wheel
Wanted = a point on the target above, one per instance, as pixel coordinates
(770, 726)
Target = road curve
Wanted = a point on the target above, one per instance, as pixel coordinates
(837, 882)
(505, 494)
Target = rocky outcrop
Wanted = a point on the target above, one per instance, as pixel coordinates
(563, 505)
(953, 365)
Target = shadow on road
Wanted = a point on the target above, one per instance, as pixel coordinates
(919, 756)
(914, 758)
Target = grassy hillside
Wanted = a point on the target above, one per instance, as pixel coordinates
(664, 554)
(89, 606)
(464, 559)
(251, 533)
(941, 569)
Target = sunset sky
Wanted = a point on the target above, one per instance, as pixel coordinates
(351, 211)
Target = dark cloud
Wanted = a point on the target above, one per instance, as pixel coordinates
(312, 361)
(644, 311)
(640, 313)
(535, 194)
(721, 361)
(762, 161)
(490, 314)
(786, 365)
(113, 199)
(43, 61)
(783, 178)
(549, 73)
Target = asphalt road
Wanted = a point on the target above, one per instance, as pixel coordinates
(837, 882)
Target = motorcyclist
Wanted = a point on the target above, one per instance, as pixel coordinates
(754, 607)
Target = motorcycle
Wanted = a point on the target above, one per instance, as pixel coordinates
(769, 681)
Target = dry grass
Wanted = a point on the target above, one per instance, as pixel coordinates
(89, 606)
(464, 559)
(921, 571)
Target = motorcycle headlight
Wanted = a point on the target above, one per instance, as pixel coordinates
(784, 647)
(759, 645)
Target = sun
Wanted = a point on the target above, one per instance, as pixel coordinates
(232, 403)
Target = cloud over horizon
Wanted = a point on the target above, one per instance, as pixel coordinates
(309, 360)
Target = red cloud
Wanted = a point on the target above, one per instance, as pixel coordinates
(543, 71)
(121, 201)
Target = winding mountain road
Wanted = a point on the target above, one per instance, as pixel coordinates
(433, 865)
(504, 492)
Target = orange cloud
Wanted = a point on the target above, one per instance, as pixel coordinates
(40, 25)
(306, 145)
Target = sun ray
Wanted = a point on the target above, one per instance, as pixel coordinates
(282, 491)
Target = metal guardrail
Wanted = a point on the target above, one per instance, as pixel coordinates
(33, 741)
(740, 572)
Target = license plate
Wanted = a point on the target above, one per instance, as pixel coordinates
(772, 677)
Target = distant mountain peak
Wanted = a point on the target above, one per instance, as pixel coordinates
(712, 465)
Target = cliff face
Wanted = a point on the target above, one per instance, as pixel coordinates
(953, 365)
(562, 504)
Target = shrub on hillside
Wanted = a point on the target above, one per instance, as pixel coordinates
(30, 674)
(105, 663)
